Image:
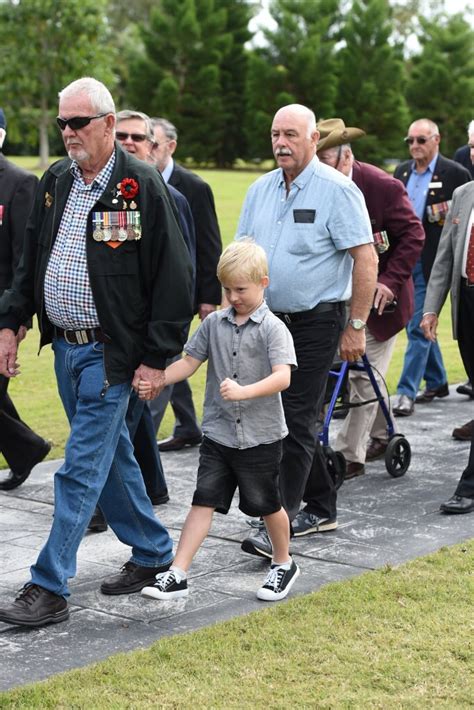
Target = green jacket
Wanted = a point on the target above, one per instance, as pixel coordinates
(142, 289)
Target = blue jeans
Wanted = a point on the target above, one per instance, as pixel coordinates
(99, 467)
(423, 358)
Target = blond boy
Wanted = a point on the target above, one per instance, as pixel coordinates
(250, 354)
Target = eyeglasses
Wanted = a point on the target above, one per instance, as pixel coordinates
(421, 140)
(77, 122)
(136, 137)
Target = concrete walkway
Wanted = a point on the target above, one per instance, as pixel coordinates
(382, 520)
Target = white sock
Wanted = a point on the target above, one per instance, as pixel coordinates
(179, 573)
(283, 565)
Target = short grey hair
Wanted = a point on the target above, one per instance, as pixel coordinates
(470, 128)
(99, 95)
(169, 129)
(128, 114)
(3, 134)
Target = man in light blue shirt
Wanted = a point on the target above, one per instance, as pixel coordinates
(313, 224)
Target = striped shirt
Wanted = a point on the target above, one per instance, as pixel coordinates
(67, 292)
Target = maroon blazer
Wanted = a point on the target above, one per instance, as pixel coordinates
(390, 211)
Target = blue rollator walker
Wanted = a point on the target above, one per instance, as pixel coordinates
(398, 453)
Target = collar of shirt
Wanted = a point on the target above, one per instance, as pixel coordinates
(101, 180)
(429, 168)
(166, 174)
(257, 316)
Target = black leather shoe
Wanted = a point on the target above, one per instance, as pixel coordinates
(176, 443)
(458, 504)
(160, 500)
(428, 395)
(404, 407)
(35, 606)
(97, 523)
(132, 578)
(16, 478)
(466, 388)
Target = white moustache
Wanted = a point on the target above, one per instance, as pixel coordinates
(284, 151)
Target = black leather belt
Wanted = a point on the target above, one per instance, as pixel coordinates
(320, 308)
(82, 337)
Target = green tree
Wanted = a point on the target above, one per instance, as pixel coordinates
(441, 78)
(179, 75)
(371, 80)
(45, 44)
(296, 64)
(233, 72)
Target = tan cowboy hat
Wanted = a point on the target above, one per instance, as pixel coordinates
(334, 132)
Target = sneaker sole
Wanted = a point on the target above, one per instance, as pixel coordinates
(43, 621)
(325, 527)
(154, 593)
(265, 595)
(251, 549)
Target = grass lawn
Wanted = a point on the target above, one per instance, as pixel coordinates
(376, 641)
(35, 393)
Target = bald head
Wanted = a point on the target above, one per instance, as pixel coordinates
(294, 139)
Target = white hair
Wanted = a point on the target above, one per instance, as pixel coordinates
(99, 95)
(303, 111)
(470, 128)
(3, 134)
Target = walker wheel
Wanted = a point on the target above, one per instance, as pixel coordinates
(336, 464)
(397, 456)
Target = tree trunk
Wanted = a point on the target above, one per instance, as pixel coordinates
(43, 136)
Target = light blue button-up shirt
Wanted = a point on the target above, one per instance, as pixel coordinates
(306, 234)
(418, 185)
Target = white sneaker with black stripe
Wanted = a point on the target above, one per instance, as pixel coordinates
(168, 585)
(278, 582)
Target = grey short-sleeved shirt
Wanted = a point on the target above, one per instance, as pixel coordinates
(247, 354)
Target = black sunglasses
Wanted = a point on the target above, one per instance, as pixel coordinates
(77, 122)
(421, 140)
(136, 137)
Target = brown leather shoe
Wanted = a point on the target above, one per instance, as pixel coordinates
(375, 449)
(35, 606)
(464, 432)
(404, 406)
(176, 443)
(428, 395)
(353, 470)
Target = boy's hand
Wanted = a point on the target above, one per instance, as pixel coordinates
(231, 390)
(144, 389)
(151, 377)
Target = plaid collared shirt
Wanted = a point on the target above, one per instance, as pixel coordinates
(67, 293)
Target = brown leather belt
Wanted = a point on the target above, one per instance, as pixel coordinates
(82, 337)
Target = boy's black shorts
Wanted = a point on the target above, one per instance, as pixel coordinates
(253, 471)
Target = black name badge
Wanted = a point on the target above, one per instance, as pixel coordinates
(304, 216)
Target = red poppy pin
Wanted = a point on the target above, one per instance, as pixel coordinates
(129, 188)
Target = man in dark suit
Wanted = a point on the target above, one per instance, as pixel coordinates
(430, 180)
(453, 271)
(208, 294)
(20, 446)
(465, 154)
(399, 237)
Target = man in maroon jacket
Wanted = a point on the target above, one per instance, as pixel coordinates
(399, 237)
